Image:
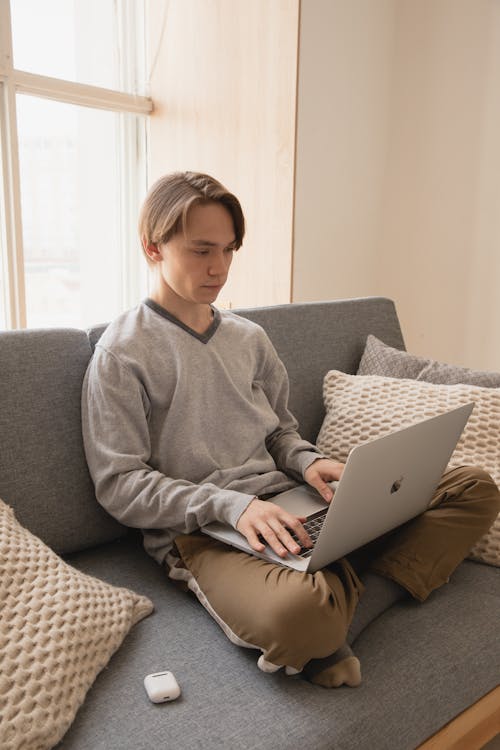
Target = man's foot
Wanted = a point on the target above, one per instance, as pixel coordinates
(340, 668)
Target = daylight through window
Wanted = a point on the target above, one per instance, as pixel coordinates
(73, 117)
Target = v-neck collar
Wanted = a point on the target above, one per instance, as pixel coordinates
(203, 337)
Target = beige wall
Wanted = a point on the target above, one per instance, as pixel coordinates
(345, 69)
(224, 85)
(441, 219)
(398, 166)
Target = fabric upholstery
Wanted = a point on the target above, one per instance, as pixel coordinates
(416, 662)
(380, 359)
(361, 408)
(312, 338)
(43, 473)
(58, 630)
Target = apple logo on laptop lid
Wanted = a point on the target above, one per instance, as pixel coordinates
(397, 485)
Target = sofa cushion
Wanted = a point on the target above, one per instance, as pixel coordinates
(43, 472)
(421, 664)
(361, 408)
(380, 359)
(58, 630)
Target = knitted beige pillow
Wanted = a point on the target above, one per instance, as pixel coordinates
(58, 629)
(361, 408)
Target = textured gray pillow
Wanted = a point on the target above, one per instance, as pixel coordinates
(380, 359)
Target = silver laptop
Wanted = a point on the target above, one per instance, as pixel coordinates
(385, 483)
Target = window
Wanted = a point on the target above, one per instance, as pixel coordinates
(73, 144)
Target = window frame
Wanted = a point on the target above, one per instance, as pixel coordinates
(13, 82)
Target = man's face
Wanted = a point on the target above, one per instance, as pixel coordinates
(194, 266)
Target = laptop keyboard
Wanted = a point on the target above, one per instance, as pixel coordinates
(313, 526)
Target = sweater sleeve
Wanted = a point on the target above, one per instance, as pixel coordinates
(291, 453)
(115, 410)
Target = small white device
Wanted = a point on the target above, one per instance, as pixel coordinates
(161, 687)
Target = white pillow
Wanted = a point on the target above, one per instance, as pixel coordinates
(361, 408)
(58, 629)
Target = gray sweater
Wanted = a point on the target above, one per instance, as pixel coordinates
(181, 429)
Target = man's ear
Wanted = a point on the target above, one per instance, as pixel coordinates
(152, 251)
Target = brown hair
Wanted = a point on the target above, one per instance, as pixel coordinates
(165, 209)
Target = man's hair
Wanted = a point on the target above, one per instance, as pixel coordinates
(165, 209)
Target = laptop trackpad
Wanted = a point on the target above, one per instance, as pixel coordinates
(301, 501)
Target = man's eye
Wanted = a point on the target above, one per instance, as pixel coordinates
(201, 252)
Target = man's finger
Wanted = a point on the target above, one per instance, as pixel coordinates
(253, 540)
(286, 538)
(324, 490)
(295, 524)
(271, 538)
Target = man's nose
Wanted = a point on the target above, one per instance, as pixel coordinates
(218, 265)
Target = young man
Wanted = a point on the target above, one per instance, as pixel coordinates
(185, 421)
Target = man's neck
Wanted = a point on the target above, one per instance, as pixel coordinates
(197, 317)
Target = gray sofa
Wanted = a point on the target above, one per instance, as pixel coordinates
(423, 665)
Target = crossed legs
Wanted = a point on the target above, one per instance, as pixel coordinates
(291, 617)
(299, 618)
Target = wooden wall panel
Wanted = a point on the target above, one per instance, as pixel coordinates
(224, 87)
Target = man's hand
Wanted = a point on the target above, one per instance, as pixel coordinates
(272, 523)
(320, 472)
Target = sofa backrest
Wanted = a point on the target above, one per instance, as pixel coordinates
(43, 473)
(313, 338)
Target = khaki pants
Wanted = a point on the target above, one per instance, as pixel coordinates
(294, 617)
